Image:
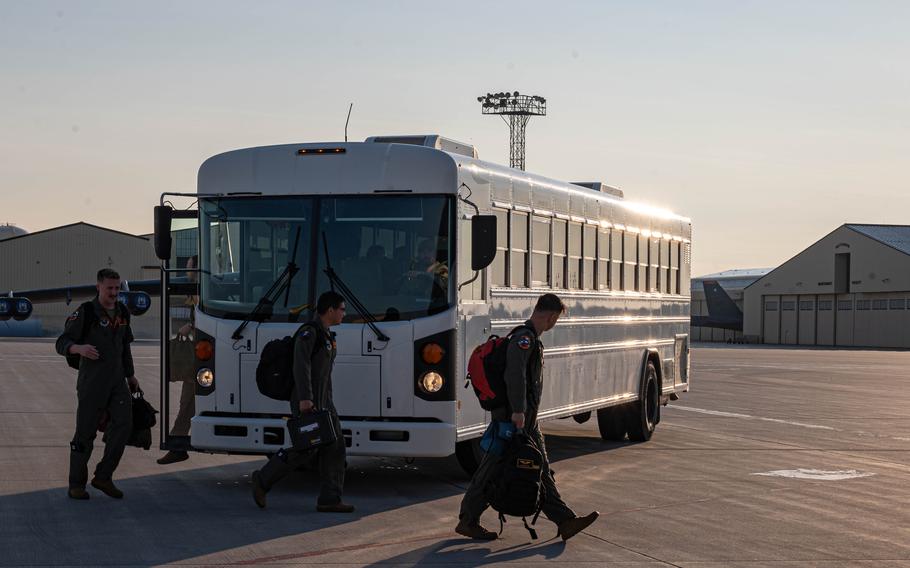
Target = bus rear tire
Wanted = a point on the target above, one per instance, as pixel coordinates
(469, 455)
(611, 422)
(644, 414)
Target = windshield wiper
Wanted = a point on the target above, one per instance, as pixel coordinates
(335, 280)
(263, 309)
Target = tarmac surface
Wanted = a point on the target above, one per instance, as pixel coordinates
(778, 457)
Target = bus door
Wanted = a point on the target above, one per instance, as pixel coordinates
(179, 295)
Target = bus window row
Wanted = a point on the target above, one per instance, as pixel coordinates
(547, 252)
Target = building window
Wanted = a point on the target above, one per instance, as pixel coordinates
(879, 304)
(862, 304)
(788, 306)
(770, 306)
(806, 305)
(518, 250)
(844, 305)
(499, 268)
(540, 251)
(559, 253)
(897, 304)
(824, 305)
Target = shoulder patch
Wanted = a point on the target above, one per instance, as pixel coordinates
(306, 334)
(73, 316)
(524, 342)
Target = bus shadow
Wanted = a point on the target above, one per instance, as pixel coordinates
(195, 513)
(207, 514)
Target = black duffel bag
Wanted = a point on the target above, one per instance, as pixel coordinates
(144, 420)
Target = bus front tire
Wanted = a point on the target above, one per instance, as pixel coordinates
(611, 422)
(469, 455)
(645, 412)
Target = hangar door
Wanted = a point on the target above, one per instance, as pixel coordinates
(771, 319)
(825, 319)
(789, 322)
(806, 320)
(844, 320)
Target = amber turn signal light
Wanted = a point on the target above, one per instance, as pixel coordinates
(432, 353)
(204, 350)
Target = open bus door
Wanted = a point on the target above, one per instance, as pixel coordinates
(179, 254)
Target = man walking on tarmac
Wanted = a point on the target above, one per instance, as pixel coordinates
(99, 333)
(314, 355)
(524, 386)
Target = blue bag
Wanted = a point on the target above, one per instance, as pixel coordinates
(496, 436)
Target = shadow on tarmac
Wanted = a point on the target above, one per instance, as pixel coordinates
(180, 515)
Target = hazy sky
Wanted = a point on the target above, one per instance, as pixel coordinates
(768, 123)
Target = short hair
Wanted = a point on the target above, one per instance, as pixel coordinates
(105, 273)
(549, 303)
(330, 299)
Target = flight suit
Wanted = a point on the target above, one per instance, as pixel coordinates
(101, 385)
(314, 355)
(524, 387)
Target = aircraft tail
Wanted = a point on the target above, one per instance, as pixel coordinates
(720, 304)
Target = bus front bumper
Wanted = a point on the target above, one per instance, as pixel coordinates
(362, 437)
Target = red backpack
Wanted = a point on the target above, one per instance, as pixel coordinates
(487, 370)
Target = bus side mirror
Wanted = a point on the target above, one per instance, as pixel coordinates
(163, 216)
(483, 241)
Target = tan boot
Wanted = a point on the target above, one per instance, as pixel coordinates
(259, 491)
(570, 528)
(78, 493)
(475, 531)
(107, 487)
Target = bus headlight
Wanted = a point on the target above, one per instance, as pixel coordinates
(205, 377)
(431, 382)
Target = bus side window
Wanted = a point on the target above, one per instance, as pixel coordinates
(616, 268)
(630, 260)
(540, 251)
(665, 246)
(674, 266)
(641, 280)
(499, 267)
(589, 256)
(518, 250)
(603, 259)
(574, 280)
(653, 265)
(559, 253)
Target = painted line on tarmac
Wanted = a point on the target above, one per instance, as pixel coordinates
(817, 474)
(750, 417)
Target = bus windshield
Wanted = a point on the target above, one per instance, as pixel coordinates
(393, 252)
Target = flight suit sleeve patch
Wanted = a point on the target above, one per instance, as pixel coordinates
(524, 343)
(74, 316)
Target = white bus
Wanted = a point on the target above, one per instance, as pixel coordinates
(401, 220)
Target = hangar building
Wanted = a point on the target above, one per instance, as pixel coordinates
(851, 288)
(71, 255)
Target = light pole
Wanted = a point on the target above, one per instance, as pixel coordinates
(515, 110)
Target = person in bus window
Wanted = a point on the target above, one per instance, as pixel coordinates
(183, 372)
(524, 387)
(314, 356)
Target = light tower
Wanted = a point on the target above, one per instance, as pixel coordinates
(515, 110)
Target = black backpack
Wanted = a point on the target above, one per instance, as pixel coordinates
(275, 371)
(487, 370)
(516, 485)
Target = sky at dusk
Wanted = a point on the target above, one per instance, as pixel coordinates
(767, 123)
